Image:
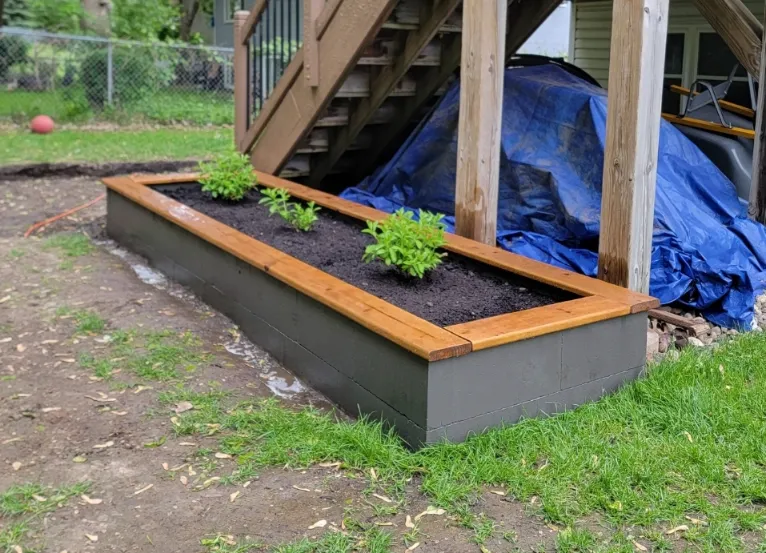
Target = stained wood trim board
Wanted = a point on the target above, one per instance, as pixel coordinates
(602, 301)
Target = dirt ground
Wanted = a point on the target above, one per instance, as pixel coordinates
(60, 424)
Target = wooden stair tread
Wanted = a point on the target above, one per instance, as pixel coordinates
(384, 78)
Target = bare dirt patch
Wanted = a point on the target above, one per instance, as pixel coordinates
(62, 424)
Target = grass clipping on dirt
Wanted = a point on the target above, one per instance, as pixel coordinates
(685, 443)
(22, 505)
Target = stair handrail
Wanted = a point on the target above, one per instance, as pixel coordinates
(250, 60)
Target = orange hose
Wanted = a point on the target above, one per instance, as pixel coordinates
(46, 222)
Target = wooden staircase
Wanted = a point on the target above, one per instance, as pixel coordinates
(366, 72)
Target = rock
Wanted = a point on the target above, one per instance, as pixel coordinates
(688, 316)
(715, 331)
(699, 321)
(706, 338)
(696, 342)
(670, 327)
(681, 342)
(652, 343)
(664, 343)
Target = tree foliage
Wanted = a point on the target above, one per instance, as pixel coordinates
(56, 16)
(145, 20)
(15, 13)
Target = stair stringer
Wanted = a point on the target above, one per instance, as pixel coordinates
(291, 111)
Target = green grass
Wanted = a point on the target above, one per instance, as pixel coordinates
(193, 107)
(688, 440)
(159, 356)
(356, 538)
(21, 505)
(88, 322)
(12, 535)
(113, 146)
(70, 244)
(36, 499)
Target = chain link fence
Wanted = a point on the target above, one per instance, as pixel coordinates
(78, 80)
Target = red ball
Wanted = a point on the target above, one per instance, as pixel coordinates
(42, 124)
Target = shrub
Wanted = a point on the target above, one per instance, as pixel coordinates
(13, 50)
(135, 75)
(230, 176)
(299, 216)
(405, 243)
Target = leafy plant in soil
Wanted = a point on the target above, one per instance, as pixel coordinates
(230, 176)
(301, 217)
(408, 244)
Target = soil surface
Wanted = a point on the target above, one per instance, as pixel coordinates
(61, 425)
(60, 170)
(457, 291)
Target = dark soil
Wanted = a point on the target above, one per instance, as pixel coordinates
(59, 170)
(458, 291)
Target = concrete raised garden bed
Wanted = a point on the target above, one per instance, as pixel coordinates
(367, 355)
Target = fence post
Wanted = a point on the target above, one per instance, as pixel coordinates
(109, 73)
(241, 81)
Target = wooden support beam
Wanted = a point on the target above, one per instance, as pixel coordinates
(738, 27)
(382, 84)
(757, 207)
(482, 70)
(708, 126)
(639, 34)
(241, 78)
(311, 11)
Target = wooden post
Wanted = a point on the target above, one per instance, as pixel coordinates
(241, 80)
(639, 34)
(738, 27)
(482, 68)
(311, 11)
(757, 208)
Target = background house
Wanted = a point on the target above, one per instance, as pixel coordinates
(694, 50)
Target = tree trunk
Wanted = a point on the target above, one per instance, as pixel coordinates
(97, 16)
(190, 11)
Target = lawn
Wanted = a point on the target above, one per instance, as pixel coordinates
(194, 107)
(684, 447)
(112, 146)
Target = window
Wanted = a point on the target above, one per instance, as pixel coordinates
(696, 52)
(674, 69)
(230, 7)
(714, 64)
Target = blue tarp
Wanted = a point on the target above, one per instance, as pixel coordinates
(706, 253)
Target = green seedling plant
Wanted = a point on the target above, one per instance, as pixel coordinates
(229, 177)
(405, 243)
(301, 217)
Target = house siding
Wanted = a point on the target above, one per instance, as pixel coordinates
(224, 30)
(592, 23)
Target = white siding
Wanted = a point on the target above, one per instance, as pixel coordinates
(593, 30)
